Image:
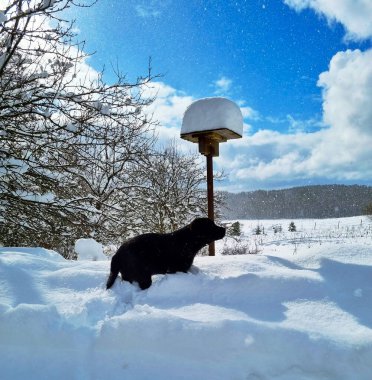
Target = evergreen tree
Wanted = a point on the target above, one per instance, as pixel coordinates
(235, 229)
(258, 230)
(368, 210)
(292, 227)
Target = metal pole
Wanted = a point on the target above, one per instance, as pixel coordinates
(210, 196)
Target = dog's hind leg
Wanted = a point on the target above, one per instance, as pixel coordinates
(113, 274)
(111, 279)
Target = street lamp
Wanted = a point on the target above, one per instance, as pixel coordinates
(208, 122)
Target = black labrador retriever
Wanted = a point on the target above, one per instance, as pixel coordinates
(153, 253)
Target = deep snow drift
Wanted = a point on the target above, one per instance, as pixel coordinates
(300, 309)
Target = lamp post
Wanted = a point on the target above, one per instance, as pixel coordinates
(209, 122)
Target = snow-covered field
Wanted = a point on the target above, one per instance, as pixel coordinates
(299, 309)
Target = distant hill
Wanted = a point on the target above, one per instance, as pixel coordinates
(322, 201)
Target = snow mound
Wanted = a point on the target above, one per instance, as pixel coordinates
(89, 249)
(34, 252)
(276, 315)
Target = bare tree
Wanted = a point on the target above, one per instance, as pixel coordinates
(172, 190)
(106, 175)
(76, 153)
(68, 140)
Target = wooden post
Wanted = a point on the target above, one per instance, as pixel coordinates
(210, 196)
(209, 122)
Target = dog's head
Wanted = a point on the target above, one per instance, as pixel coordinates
(206, 231)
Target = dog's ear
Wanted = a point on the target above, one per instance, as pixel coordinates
(195, 225)
(191, 226)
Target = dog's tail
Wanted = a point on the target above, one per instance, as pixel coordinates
(111, 279)
(113, 274)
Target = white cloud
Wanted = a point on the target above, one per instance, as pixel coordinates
(168, 109)
(339, 152)
(151, 8)
(222, 85)
(169, 105)
(298, 125)
(147, 11)
(347, 109)
(355, 15)
(268, 156)
(249, 113)
(347, 91)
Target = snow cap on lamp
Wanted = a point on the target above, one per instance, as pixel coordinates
(218, 115)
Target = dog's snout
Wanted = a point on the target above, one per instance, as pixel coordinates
(222, 232)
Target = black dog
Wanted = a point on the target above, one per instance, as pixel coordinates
(142, 256)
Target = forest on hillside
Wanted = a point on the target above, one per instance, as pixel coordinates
(322, 201)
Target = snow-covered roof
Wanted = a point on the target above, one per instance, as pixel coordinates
(211, 114)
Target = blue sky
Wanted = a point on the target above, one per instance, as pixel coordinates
(289, 64)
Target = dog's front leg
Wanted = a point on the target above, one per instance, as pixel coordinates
(144, 281)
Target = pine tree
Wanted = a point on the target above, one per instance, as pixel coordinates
(292, 227)
(368, 210)
(258, 230)
(235, 229)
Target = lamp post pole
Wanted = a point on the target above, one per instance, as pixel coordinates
(210, 197)
(209, 122)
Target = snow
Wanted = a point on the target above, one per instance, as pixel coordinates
(3, 17)
(40, 75)
(89, 249)
(212, 114)
(34, 197)
(299, 310)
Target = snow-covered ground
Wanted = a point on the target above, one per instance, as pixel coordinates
(299, 309)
